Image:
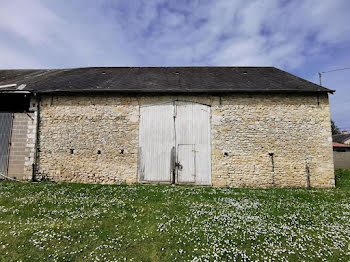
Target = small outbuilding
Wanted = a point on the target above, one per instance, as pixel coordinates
(220, 126)
(343, 138)
(341, 150)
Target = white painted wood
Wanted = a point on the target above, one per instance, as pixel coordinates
(156, 143)
(163, 140)
(192, 126)
(187, 169)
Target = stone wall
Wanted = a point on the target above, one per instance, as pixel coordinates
(88, 139)
(296, 129)
(94, 139)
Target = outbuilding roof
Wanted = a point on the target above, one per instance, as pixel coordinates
(341, 138)
(335, 144)
(156, 79)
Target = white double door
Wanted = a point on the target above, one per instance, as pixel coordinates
(174, 143)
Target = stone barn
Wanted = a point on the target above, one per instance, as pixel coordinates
(220, 126)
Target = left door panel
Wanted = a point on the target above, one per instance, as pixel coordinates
(156, 143)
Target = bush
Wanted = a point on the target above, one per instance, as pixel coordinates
(342, 178)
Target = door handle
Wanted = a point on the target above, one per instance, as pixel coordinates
(177, 164)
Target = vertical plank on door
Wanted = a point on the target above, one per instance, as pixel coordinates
(156, 142)
(202, 141)
(193, 127)
(187, 170)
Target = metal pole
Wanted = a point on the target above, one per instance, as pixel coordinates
(340, 69)
(273, 169)
(320, 76)
(307, 175)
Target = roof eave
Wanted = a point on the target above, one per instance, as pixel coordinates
(178, 91)
(15, 92)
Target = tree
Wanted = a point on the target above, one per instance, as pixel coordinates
(335, 128)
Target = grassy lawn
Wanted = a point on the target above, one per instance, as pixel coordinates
(65, 222)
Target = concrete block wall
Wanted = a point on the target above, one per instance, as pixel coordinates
(341, 160)
(21, 147)
(94, 139)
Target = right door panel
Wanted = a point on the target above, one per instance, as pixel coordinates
(187, 168)
(192, 128)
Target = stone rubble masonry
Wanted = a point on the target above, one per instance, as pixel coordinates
(94, 139)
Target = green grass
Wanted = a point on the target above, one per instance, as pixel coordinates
(343, 178)
(76, 222)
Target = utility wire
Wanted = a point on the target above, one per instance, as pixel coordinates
(320, 73)
(340, 69)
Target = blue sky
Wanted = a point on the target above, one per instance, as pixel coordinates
(302, 36)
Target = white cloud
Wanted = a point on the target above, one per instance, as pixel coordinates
(31, 22)
(282, 33)
(58, 40)
(10, 58)
(300, 35)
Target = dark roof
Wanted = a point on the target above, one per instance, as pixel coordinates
(156, 79)
(342, 138)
